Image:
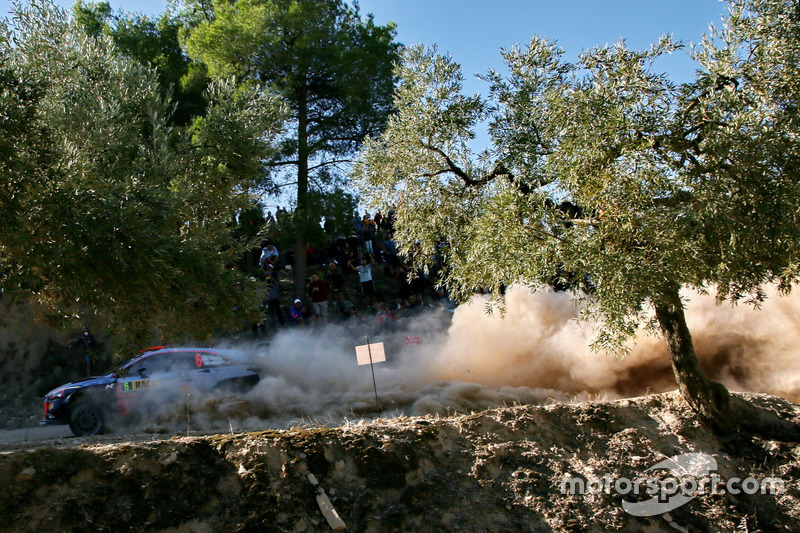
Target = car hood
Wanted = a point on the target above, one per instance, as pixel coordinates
(82, 383)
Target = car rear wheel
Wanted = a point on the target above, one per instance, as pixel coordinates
(86, 418)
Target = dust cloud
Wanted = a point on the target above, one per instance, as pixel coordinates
(537, 352)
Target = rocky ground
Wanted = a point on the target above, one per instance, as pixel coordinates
(497, 470)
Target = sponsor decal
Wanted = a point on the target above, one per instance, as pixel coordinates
(140, 384)
(207, 359)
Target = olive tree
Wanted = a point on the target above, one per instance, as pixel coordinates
(106, 205)
(605, 169)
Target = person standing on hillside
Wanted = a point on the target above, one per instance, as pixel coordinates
(318, 292)
(89, 348)
(335, 277)
(370, 231)
(269, 254)
(365, 277)
(274, 310)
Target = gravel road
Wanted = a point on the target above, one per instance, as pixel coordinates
(61, 437)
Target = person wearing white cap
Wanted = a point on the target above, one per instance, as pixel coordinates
(298, 316)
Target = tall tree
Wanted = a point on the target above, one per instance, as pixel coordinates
(604, 168)
(333, 69)
(106, 206)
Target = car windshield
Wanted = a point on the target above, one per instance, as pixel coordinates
(120, 371)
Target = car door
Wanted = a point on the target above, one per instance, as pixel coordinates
(133, 381)
(155, 379)
(206, 365)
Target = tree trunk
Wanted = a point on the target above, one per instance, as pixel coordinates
(710, 400)
(724, 413)
(301, 211)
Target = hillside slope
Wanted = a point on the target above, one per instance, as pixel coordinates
(497, 470)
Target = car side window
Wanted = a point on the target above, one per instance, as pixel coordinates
(161, 362)
(184, 361)
(209, 359)
(133, 370)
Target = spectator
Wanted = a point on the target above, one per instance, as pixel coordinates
(410, 283)
(351, 255)
(335, 277)
(298, 316)
(262, 287)
(357, 227)
(311, 258)
(89, 349)
(365, 277)
(289, 258)
(378, 219)
(364, 233)
(370, 231)
(318, 292)
(390, 251)
(388, 221)
(443, 301)
(414, 304)
(274, 311)
(280, 217)
(385, 316)
(346, 308)
(269, 254)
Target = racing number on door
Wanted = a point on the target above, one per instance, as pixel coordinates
(140, 384)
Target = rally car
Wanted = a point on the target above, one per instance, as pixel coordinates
(158, 377)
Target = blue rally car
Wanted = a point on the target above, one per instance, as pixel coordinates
(157, 378)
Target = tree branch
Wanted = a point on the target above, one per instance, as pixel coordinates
(332, 162)
(281, 163)
(499, 170)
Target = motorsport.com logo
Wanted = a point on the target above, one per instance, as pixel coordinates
(687, 476)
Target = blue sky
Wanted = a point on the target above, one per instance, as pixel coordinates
(474, 31)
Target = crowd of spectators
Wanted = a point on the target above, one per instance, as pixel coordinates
(358, 279)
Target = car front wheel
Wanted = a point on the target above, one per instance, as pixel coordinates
(86, 418)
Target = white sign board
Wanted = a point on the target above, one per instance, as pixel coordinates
(370, 351)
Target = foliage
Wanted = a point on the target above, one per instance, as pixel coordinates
(108, 207)
(154, 43)
(605, 168)
(330, 215)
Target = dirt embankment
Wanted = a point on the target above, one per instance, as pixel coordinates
(498, 470)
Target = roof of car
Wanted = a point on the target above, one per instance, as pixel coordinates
(226, 352)
(221, 351)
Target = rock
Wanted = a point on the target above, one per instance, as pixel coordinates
(26, 475)
(169, 459)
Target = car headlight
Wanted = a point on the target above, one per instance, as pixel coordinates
(59, 393)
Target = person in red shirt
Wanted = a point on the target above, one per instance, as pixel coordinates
(318, 292)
